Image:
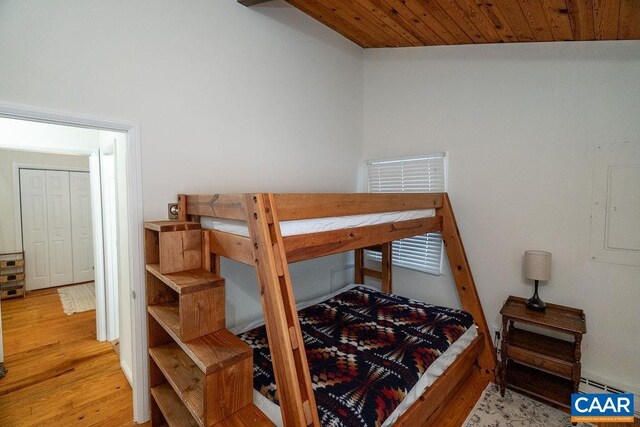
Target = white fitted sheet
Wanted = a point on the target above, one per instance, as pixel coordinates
(432, 373)
(317, 225)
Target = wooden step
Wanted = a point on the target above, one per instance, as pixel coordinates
(184, 376)
(211, 352)
(172, 408)
(173, 245)
(197, 296)
(171, 225)
(249, 416)
(189, 281)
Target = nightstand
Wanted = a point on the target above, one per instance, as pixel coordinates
(541, 366)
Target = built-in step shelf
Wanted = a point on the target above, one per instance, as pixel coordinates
(196, 297)
(200, 373)
(173, 410)
(212, 375)
(184, 376)
(173, 245)
(185, 282)
(249, 416)
(211, 352)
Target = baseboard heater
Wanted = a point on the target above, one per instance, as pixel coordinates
(588, 385)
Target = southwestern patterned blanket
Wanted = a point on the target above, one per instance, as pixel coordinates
(366, 350)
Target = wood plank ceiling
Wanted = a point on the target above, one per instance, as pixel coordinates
(402, 23)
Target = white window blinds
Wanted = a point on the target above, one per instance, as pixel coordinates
(413, 175)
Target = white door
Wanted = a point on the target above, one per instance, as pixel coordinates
(59, 222)
(81, 229)
(35, 234)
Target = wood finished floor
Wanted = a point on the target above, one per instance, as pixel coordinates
(58, 373)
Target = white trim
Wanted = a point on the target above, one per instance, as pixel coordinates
(95, 179)
(140, 380)
(126, 369)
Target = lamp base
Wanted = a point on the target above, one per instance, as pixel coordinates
(535, 303)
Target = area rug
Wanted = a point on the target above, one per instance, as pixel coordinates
(78, 298)
(514, 410)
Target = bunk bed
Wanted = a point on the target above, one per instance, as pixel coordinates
(205, 373)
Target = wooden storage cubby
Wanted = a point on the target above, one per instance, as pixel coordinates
(200, 373)
(12, 275)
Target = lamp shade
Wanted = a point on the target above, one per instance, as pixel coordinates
(537, 265)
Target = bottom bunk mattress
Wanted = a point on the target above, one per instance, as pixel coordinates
(371, 354)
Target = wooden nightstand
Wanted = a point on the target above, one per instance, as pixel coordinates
(538, 365)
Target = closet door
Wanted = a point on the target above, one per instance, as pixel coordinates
(59, 222)
(35, 234)
(81, 230)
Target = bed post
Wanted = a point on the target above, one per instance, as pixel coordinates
(465, 285)
(297, 401)
(358, 264)
(386, 284)
(182, 207)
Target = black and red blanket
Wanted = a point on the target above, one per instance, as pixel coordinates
(366, 350)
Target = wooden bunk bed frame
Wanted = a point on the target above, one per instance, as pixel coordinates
(270, 253)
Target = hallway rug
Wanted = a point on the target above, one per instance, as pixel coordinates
(78, 298)
(514, 410)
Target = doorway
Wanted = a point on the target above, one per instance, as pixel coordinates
(124, 156)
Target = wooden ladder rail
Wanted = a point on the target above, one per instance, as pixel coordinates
(465, 285)
(385, 273)
(297, 401)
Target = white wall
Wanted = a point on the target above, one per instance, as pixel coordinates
(521, 123)
(229, 99)
(7, 197)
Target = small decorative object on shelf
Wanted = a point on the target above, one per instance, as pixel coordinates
(12, 275)
(538, 365)
(537, 266)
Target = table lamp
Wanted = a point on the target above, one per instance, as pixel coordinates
(537, 266)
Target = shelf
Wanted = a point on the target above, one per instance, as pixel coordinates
(172, 408)
(211, 352)
(539, 384)
(187, 281)
(538, 351)
(168, 316)
(184, 376)
(551, 347)
(249, 416)
(164, 226)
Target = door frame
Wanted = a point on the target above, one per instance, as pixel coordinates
(139, 377)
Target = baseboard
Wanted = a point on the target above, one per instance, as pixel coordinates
(591, 383)
(128, 373)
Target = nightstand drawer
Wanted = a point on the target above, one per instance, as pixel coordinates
(535, 360)
(549, 354)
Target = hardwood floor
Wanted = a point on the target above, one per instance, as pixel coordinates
(58, 373)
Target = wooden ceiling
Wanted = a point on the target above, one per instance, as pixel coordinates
(402, 23)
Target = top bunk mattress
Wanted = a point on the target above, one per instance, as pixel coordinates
(318, 225)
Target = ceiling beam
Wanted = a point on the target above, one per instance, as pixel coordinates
(252, 2)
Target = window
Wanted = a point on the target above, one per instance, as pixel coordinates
(425, 174)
